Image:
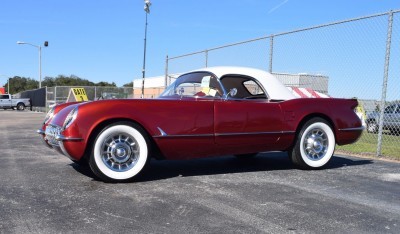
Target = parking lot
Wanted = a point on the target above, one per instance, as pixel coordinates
(42, 191)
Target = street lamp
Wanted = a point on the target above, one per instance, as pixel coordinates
(147, 5)
(46, 43)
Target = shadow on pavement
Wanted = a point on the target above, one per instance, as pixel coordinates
(159, 170)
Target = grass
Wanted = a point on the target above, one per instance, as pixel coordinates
(368, 144)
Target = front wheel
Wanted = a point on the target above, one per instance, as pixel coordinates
(314, 144)
(120, 152)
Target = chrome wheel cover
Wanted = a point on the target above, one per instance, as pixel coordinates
(316, 144)
(120, 152)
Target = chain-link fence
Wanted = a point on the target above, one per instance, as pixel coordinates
(59, 94)
(360, 56)
(148, 92)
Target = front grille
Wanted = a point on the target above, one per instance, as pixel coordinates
(51, 133)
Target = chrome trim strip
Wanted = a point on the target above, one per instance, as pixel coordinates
(225, 134)
(253, 133)
(177, 136)
(288, 132)
(352, 129)
(63, 138)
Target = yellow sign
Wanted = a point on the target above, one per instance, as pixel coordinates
(77, 95)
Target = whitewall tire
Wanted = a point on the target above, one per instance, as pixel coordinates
(315, 144)
(120, 152)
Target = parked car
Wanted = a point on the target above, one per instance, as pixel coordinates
(208, 112)
(8, 102)
(391, 119)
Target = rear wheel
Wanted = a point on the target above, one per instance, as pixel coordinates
(20, 106)
(120, 152)
(314, 144)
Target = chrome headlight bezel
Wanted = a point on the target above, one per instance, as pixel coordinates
(70, 118)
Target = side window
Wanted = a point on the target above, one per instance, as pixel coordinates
(253, 88)
(247, 87)
(3, 96)
(197, 84)
(188, 89)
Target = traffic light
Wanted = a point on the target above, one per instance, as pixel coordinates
(46, 43)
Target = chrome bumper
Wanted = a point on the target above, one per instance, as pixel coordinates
(53, 139)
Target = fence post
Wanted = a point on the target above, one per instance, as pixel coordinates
(45, 102)
(271, 51)
(166, 72)
(385, 81)
(55, 94)
(206, 52)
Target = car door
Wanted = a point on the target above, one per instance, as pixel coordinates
(248, 121)
(186, 116)
(5, 101)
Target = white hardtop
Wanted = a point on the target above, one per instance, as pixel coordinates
(275, 89)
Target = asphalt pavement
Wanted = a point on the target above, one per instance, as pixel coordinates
(42, 191)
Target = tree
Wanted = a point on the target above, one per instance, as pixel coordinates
(102, 83)
(128, 84)
(48, 81)
(19, 84)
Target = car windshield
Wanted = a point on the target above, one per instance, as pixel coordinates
(197, 84)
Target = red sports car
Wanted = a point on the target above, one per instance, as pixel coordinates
(208, 112)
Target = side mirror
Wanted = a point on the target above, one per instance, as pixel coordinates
(231, 93)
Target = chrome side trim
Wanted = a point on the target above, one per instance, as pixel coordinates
(352, 129)
(63, 138)
(177, 136)
(225, 134)
(253, 133)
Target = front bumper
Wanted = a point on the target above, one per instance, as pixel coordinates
(53, 138)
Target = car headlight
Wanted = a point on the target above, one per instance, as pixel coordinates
(70, 118)
(49, 115)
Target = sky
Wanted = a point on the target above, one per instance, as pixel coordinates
(103, 40)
